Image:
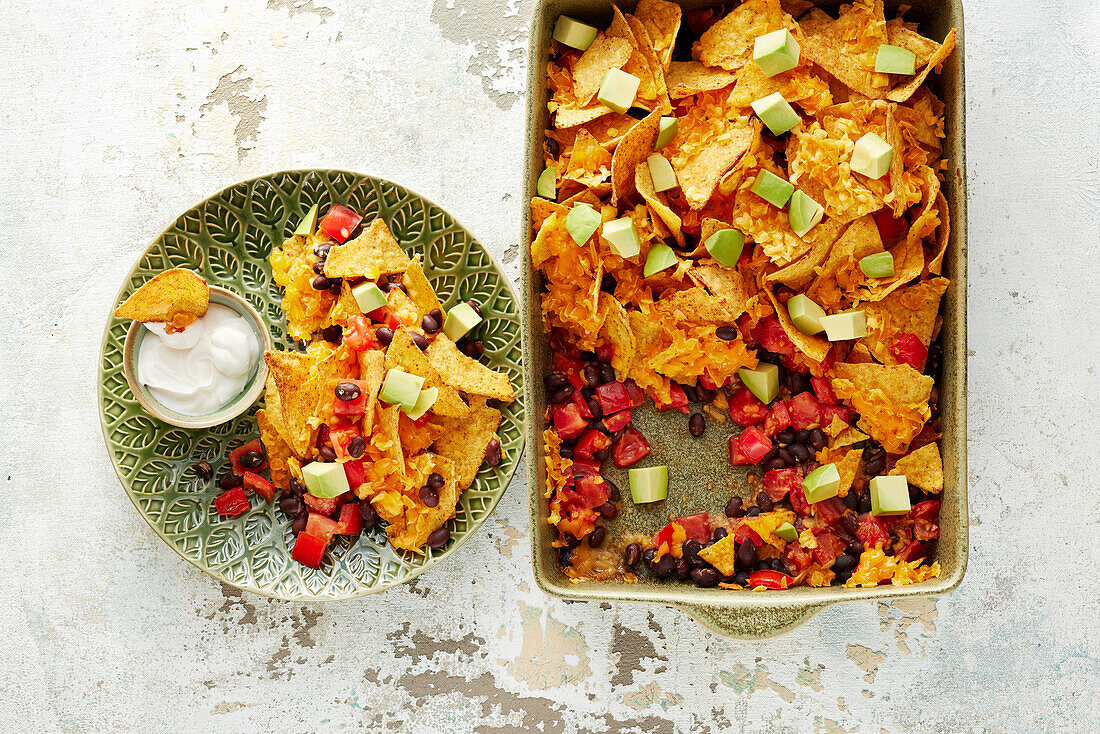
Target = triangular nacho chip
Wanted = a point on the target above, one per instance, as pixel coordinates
(643, 182)
(688, 78)
(374, 252)
(632, 151)
(404, 355)
(468, 375)
(420, 290)
(465, 440)
(922, 468)
(605, 53)
(176, 298)
(662, 22)
(372, 370)
(728, 43)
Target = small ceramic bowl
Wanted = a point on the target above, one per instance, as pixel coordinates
(228, 412)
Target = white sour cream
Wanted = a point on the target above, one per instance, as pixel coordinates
(203, 367)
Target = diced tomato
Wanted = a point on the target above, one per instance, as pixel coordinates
(872, 531)
(665, 535)
(805, 411)
(907, 348)
(798, 500)
(823, 391)
(320, 526)
(843, 412)
(769, 580)
(746, 409)
(630, 448)
(697, 527)
(749, 447)
(778, 482)
(259, 485)
(770, 335)
(927, 435)
(571, 367)
(830, 510)
(236, 454)
(926, 520)
(341, 439)
(700, 20)
(232, 502)
(358, 406)
(798, 557)
(326, 505)
(308, 550)
(636, 394)
(593, 490)
(612, 397)
(356, 472)
(889, 228)
(590, 442)
(912, 551)
(339, 222)
(617, 421)
(679, 400)
(829, 546)
(744, 532)
(709, 384)
(359, 334)
(568, 420)
(605, 352)
(351, 520)
(423, 420)
(778, 419)
(585, 467)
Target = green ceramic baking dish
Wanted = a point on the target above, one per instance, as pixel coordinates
(740, 613)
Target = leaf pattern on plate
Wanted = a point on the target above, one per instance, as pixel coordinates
(227, 237)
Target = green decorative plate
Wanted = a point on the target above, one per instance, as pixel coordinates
(227, 238)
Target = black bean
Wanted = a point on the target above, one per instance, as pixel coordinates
(357, 446)
(436, 314)
(571, 540)
(472, 349)
(648, 555)
(741, 578)
(493, 452)
(297, 487)
(320, 283)
(346, 391)
(475, 306)
(229, 480)
(682, 569)
(631, 555)
(429, 496)
(785, 454)
(319, 267)
(202, 469)
(608, 510)
(555, 381)
(851, 500)
(399, 286)
(799, 452)
(290, 505)
(439, 538)
(735, 507)
(844, 562)
(704, 577)
(552, 147)
(594, 408)
(638, 113)
(855, 547)
(753, 512)
(697, 424)
(762, 565)
(662, 569)
(707, 396)
(436, 480)
(796, 383)
(613, 493)
(252, 460)
(322, 250)
(775, 464)
(326, 453)
(420, 340)
(565, 557)
(849, 522)
(865, 503)
(803, 436)
(718, 534)
(561, 395)
(299, 523)
(335, 285)
(566, 452)
(597, 536)
(691, 393)
(607, 373)
(369, 515)
(818, 439)
(726, 333)
(601, 454)
(691, 550)
(591, 374)
(429, 325)
(777, 565)
(785, 437)
(384, 334)
(875, 466)
(746, 553)
(765, 502)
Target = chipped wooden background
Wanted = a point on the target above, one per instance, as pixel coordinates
(119, 115)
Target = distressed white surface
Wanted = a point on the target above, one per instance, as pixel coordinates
(117, 116)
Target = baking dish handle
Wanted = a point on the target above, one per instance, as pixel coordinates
(749, 624)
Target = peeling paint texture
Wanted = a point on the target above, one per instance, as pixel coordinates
(119, 118)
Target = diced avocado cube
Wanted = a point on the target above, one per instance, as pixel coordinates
(889, 496)
(622, 235)
(309, 222)
(803, 213)
(725, 246)
(664, 178)
(895, 60)
(325, 479)
(459, 321)
(843, 326)
(776, 113)
(806, 314)
(660, 257)
(548, 183)
(666, 131)
(401, 388)
(772, 189)
(776, 52)
(872, 156)
(573, 33)
(787, 532)
(618, 89)
(763, 382)
(649, 484)
(581, 222)
(878, 265)
(822, 483)
(424, 403)
(369, 296)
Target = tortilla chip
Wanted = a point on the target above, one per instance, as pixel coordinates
(906, 90)
(465, 440)
(303, 382)
(943, 236)
(642, 62)
(372, 369)
(908, 264)
(688, 78)
(570, 116)
(617, 331)
(847, 468)
(662, 22)
(701, 170)
(404, 355)
(798, 86)
(910, 310)
(698, 305)
(387, 434)
(897, 162)
(847, 47)
(892, 401)
(344, 307)
(468, 375)
(590, 163)
(643, 182)
(845, 436)
(922, 468)
(411, 529)
(543, 209)
(633, 150)
(722, 555)
(605, 53)
(724, 283)
(277, 450)
(813, 347)
(176, 298)
(420, 290)
(659, 94)
(728, 43)
(801, 271)
(374, 252)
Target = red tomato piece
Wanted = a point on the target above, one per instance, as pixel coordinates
(823, 391)
(341, 439)
(705, 381)
(605, 352)
(889, 228)
(778, 482)
(236, 454)
(746, 409)
(830, 510)
(617, 421)
(568, 421)
(779, 418)
(697, 527)
(582, 404)
(356, 472)
(359, 334)
(798, 500)
(769, 580)
(664, 535)
(339, 222)
(744, 532)
(749, 447)
(308, 550)
(259, 485)
(612, 397)
(805, 411)
(829, 546)
(912, 551)
(325, 505)
(907, 348)
(797, 557)
(872, 531)
(843, 412)
(320, 526)
(679, 400)
(585, 467)
(770, 335)
(927, 435)
(590, 442)
(565, 363)
(926, 520)
(351, 520)
(593, 490)
(232, 502)
(636, 394)
(630, 448)
(358, 406)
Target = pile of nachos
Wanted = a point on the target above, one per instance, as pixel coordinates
(741, 210)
